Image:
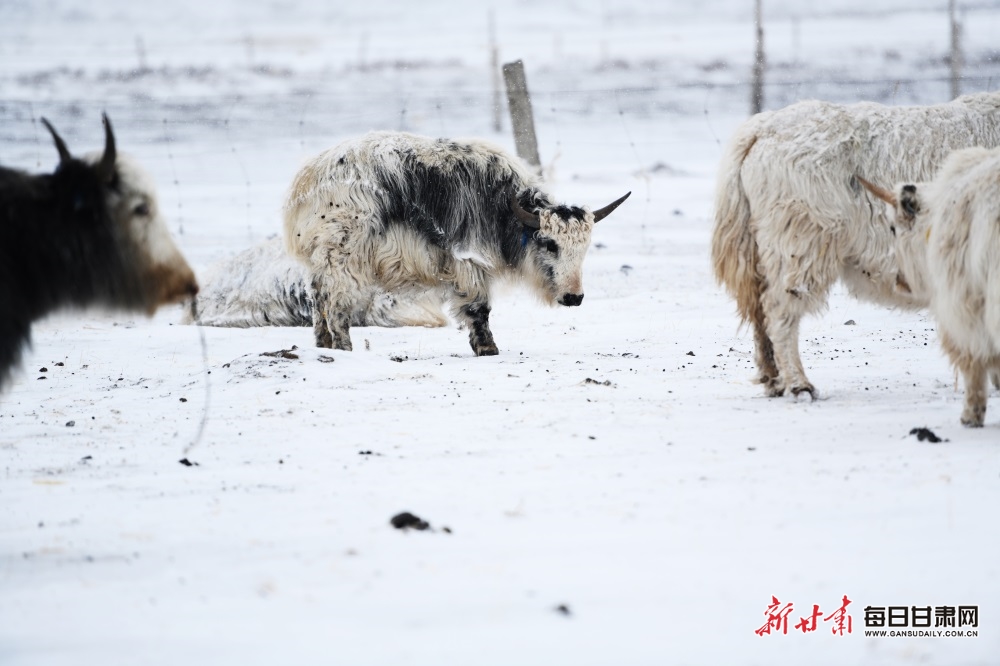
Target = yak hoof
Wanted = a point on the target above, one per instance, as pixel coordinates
(773, 388)
(808, 388)
(490, 350)
(973, 418)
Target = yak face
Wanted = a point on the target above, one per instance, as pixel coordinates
(116, 248)
(559, 246)
(559, 242)
(909, 206)
(155, 263)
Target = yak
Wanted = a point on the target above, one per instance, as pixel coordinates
(403, 212)
(88, 234)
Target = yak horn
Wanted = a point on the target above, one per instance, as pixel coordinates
(64, 155)
(524, 217)
(882, 193)
(604, 212)
(106, 169)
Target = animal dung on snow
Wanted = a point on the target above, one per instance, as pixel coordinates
(406, 520)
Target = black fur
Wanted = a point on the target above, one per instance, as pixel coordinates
(460, 206)
(477, 315)
(59, 247)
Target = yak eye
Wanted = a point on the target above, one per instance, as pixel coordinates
(550, 245)
(142, 210)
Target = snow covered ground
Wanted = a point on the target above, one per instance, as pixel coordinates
(614, 460)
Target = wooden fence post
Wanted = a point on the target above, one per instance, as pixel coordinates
(757, 92)
(521, 118)
(956, 51)
(495, 76)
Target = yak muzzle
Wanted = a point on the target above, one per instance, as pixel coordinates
(571, 299)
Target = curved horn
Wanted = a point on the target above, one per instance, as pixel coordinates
(602, 213)
(64, 155)
(106, 168)
(880, 192)
(524, 217)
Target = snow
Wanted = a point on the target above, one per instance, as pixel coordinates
(614, 458)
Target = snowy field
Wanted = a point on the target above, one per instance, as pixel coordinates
(616, 490)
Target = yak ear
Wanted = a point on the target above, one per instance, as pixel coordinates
(602, 213)
(106, 167)
(526, 219)
(64, 155)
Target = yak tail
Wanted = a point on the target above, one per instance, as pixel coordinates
(264, 286)
(734, 247)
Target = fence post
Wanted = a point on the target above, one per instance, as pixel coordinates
(521, 118)
(495, 75)
(956, 51)
(757, 92)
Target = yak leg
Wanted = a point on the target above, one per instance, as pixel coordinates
(974, 412)
(334, 304)
(782, 314)
(767, 371)
(474, 313)
(976, 389)
(799, 263)
(320, 327)
(974, 372)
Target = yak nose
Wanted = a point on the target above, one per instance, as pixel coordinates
(571, 299)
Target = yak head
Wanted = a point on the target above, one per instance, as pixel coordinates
(557, 238)
(910, 228)
(906, 203)
(123, 256)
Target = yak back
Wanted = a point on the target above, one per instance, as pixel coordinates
(455, 194)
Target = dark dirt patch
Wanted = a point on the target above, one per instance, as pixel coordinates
(188, 463)
(407, 520)
(926, 435)
(283, 353)
(325, 359)
(606, 382)
(399, 359)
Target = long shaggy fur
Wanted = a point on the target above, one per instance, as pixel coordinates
(264, 286)
(954, 241)
(791, 218)
(401, 212)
